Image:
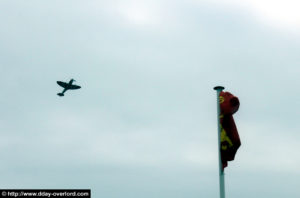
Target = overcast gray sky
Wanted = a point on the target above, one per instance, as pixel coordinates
(144, 122)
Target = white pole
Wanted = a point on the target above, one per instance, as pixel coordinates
(221, 172)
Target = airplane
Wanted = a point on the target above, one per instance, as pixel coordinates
(67, 86)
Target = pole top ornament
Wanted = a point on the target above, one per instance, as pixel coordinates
(218, 88)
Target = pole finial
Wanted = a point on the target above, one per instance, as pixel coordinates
(218, 88)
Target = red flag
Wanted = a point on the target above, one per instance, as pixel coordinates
(230, 140)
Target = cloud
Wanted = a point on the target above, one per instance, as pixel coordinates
(146, 113)
(280, 14)
(268, 148)
(139, 12)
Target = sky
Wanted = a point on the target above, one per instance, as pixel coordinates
(144, 123)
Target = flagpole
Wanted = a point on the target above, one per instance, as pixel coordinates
(221, 172)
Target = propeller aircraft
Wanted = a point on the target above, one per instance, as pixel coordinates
(67, 86)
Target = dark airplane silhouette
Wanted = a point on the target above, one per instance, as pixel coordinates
(67, 86)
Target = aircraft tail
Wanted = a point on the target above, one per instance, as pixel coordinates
(60, 94)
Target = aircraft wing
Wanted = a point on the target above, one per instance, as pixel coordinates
(62, 84)
(74, 87)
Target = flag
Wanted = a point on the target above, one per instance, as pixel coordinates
(230, 140)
